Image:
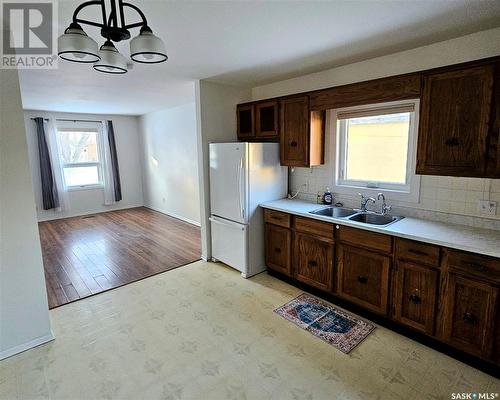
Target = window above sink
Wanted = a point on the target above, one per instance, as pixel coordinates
(375, 149)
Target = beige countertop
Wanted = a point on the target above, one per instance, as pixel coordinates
(475, 240)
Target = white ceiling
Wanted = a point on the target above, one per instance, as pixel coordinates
(248, 43)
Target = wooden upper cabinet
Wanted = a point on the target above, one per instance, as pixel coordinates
(302, 133)
(267, 119)
(245, 114)
(493, 167)
(454, 121)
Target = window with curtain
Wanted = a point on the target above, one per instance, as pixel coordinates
(80, 156)
(375, 148)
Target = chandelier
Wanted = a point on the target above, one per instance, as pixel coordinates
(76, 46)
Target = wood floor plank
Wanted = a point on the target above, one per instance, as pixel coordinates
(87, 255)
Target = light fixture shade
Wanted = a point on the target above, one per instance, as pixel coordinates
(147, 48)
(74, 45)
(111, 62)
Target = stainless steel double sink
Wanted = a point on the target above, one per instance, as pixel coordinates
(369, 218)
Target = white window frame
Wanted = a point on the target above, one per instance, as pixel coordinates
(409, 192)
(80, 126)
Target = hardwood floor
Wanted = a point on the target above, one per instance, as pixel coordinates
(90, 254)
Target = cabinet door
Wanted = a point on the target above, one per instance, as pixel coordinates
(496, 354)
(278, 247)
(266, 119)
(454, 121)
(294, 131)
(246, 121)
(468, 321)
(363, 277)
(313, 261)
(415, 296)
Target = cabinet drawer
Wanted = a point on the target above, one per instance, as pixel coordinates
(422, 253)
(278, 249)
(474, 265)
(277, 218)
(366, 239)
(315, 227)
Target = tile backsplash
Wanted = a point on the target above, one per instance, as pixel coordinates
(442, 198)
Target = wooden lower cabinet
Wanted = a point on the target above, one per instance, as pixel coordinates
(448, 294)
(496, 353)
(468, 317)
(415, 295)
(363, 277)
(313, 260)
(278, 244)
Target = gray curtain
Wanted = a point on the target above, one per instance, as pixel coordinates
(50, 197)
(114, 161)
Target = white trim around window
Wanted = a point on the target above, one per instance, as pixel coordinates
(407, 192)
(78, 126)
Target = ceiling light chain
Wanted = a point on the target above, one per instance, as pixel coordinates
(76, 46)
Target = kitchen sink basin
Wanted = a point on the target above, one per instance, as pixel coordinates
(374, 219)
(335, 212)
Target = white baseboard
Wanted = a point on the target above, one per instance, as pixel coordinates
(26, 346)
(189, 221)
(71, 215)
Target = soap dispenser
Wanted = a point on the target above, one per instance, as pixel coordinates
(327, 197)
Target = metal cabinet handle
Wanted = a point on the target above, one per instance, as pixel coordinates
(469, 318)
(453, 141)
(415, 299)
(312, 263)
(362, 279)
(337, 227)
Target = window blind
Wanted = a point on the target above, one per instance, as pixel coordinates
(370, 112)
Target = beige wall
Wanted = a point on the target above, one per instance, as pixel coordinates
(466, 48)
(454, 197)
(216, 122)
(170, 162)
(24, 316)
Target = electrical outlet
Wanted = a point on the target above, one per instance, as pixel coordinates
(487, 207)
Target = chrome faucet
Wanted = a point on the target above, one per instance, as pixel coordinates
(364, 202)
(385, 207)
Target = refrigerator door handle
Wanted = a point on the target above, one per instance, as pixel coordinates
(226, 223)
(240, 183)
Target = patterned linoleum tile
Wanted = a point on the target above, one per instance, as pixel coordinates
(203, 332)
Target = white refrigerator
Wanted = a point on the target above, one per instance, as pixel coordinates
(242, 176)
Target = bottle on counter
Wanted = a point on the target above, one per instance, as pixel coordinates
(319, 197)
(327, 197)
